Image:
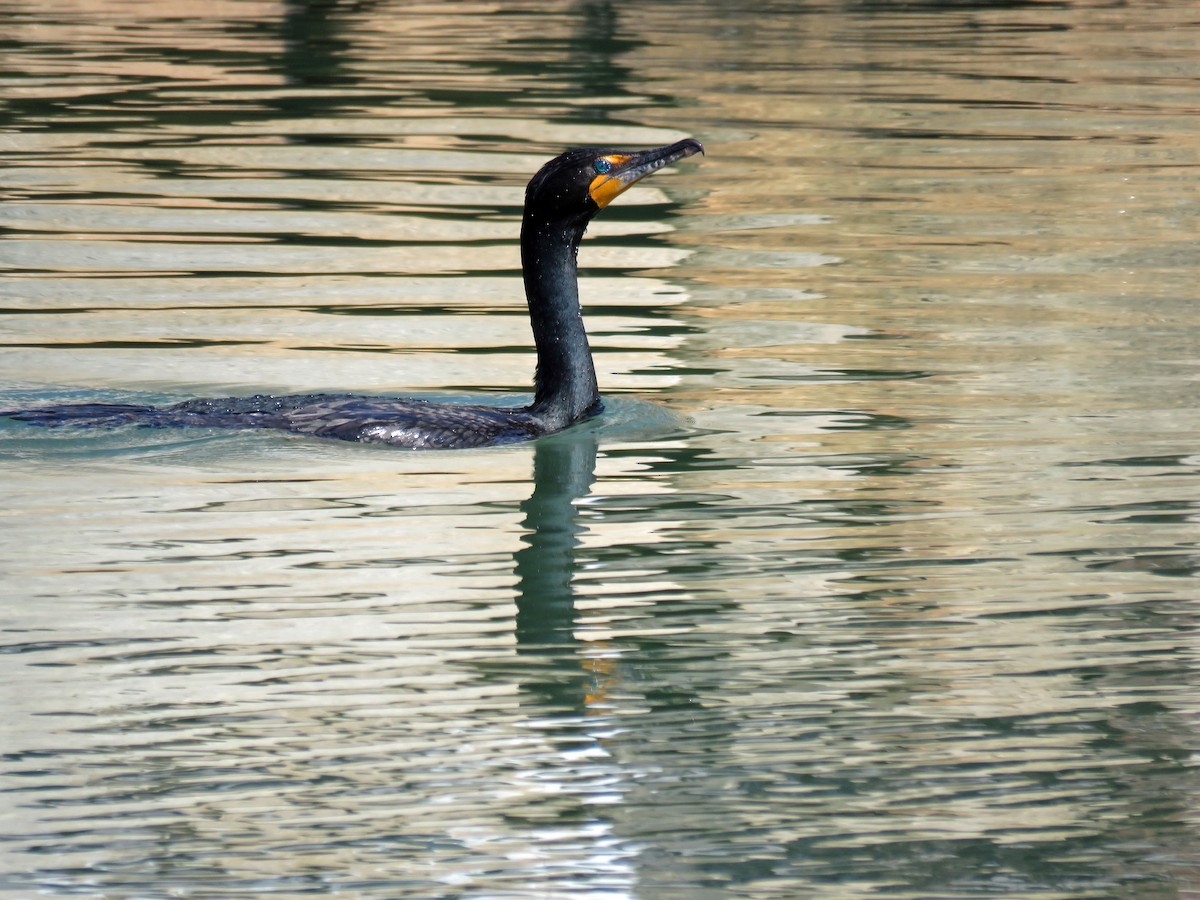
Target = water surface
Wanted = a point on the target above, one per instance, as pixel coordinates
(877, 579)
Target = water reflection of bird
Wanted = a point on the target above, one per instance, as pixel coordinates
(560, 201)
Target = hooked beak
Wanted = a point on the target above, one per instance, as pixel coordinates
(630, 168)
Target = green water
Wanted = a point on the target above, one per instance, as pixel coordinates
(877, 579)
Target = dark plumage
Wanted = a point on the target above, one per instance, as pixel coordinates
(559, 202)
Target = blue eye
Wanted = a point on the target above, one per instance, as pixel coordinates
(601, 166)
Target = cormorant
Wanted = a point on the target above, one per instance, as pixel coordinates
(559, 202)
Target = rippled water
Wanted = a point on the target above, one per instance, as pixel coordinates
(877, 579)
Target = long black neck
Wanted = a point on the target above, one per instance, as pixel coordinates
(565, 383)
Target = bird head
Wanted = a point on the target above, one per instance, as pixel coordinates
(580, 183)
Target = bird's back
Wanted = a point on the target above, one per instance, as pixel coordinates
(415, 424)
